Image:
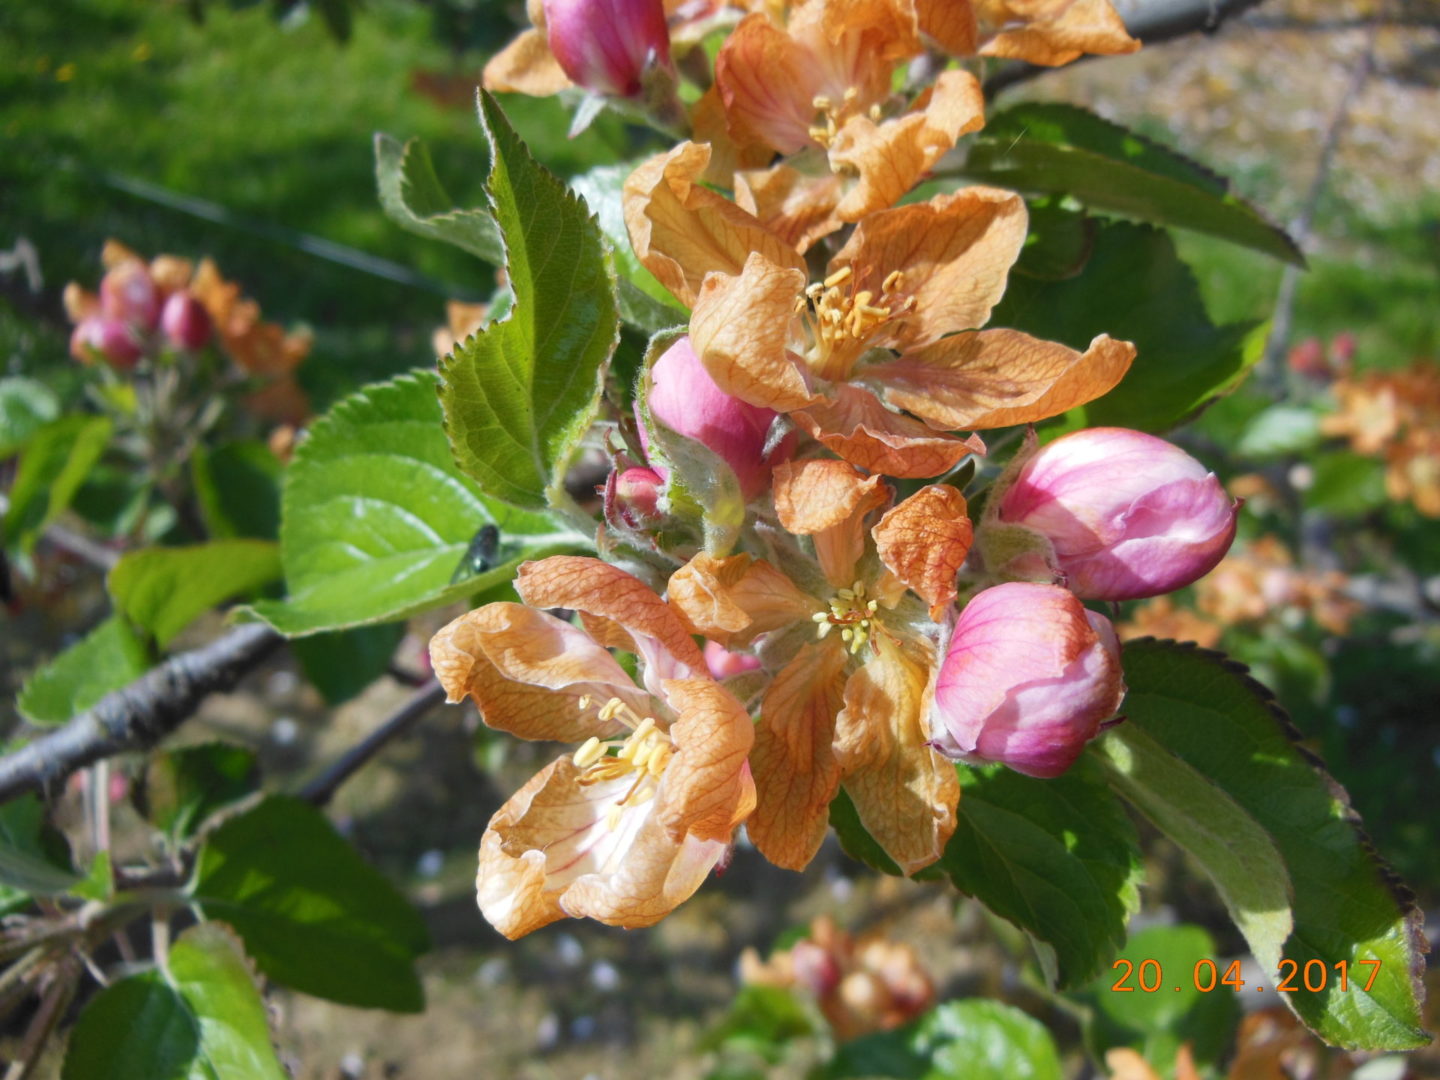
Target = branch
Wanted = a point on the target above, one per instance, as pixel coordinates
(1152, 21)
(139, 715)
(320, 790)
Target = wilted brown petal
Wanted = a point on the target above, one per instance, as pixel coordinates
(950, 23)
(954, 251)
(995, 378)
(790, 204)
(904, 792)
(856, 425)
(681, 231)
(740, 330)
(767, 82)
(796, 774)
(511, 888)
(526, 66)
(736, 599)
(1053, 32)
(893, 155)
(828, 501)
(924, 542)
(705, 783)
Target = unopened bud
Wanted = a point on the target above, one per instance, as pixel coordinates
(1128, 515)
(185, 322)
(128, 293)
(106, 339)
(607, 45)
(723, 663)
(636, 498)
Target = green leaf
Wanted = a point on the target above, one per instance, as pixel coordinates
(1278, 431)
(1058, 858)
(1134, 287)
(1227, 728)
(1161, 1005)
(519, 394)
(986, 1040)
(238, 488)
(109, 657)
(198, 1017)
(98, 882)
(163, 589)
(25, 407)
(313, 914)
(643, 301)
(1058, 243)
(377, 518)
(1346, 484)
(1059, 149)
(185, 786)
(413, 196)
(1230, 845)
(764, 1018)
(343, 663)
(855, 841)
(34, 857)
(55, 463)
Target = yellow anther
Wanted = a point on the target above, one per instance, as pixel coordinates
(825, 628)
(590, 752)
(893, 281)
(875, 112)
(584, 702)
(873, 605)
(857, 644)
(643, 753)
(851, 93)
(863, 297)
(821, 616)
(858, 588)
(822, 103)
(610, 708)
(846, 594)
(837, 277)
(876, 312)
(659, 760)
(644, 728)
(846, 634)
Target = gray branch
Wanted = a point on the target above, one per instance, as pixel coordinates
(320, 790)
(1152, 21)
(139, 715)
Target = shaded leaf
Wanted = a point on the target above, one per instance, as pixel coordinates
(1280, 430)
(1346, 484)
(412, 195)
(109, 657)
(25, 407)
(163, 589)
(313, 914)
(34, 857)
(343, 663)
(519, 394)
(185, 786)
(238, 488)
(56, 461)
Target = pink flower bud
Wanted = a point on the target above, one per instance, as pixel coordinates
(107, 339)
(684, 398)
(815, 968)
(635, 497)
(606, 45)
(185, 322)
(1028, 678)
(128, 293)
(1129, 515)
(723, 663)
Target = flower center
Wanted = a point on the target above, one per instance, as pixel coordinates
(841, 320)
(643, 753)
(850, 611)
(830, 114)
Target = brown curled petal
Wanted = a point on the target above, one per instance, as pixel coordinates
(705, 782)
(1053, 32)
(735, 599)
(682, 231)
(950, 24)
(511, 889)
(796, 774)
(856, 425)
(904, 792)
(892, 156)
(527, 672)
(767, 82)
(740, 330)
(814, 495)
(924, 541)
(526, 66)
(707, 123)
(597, 588)
(995, 378)
(790, 204)
(955, 252)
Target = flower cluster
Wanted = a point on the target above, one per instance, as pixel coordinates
(790, 488)
(153, 314)
(1395, 415)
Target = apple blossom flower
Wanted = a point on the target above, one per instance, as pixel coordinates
(1129, 515)
(607, 45)
(1028, 679)
(685, 399)
(626, 827)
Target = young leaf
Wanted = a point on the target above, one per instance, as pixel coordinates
(34, 857)
(238, 487)
(1058, 858)
(1135, 287)
(163, 589)
(199, 1016)
(109, 657)
(1204, 709)
(986, 1040)
(342, 663)
(413, 196)
(519, 394)
(312, 913)
(378, 519)
(55, 463)
(25, 407)
(185, 786)
(1059, 149)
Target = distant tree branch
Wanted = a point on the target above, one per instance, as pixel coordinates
(139, 715)
(1152, 21)
(320, 790)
